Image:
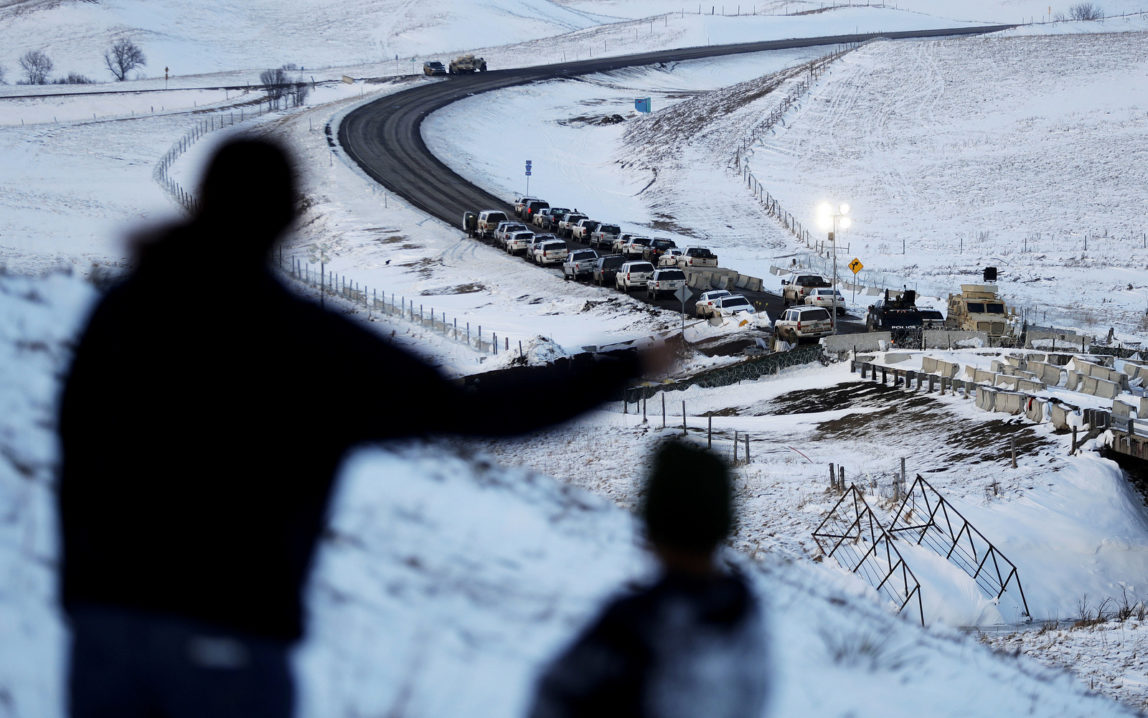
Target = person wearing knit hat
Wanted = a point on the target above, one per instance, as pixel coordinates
(692, 643)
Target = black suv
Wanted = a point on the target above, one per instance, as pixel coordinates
(656, 249)
(606, 268)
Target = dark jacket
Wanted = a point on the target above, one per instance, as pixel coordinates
(684, 647)
(206, 414)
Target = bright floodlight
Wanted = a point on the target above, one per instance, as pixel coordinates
(844, 208)
(825, 215)
(844, 222)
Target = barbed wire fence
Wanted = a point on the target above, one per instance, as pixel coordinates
(374, 300)
(812, 70)
(216, 120)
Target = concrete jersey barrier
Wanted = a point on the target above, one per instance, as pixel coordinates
(1048, 373)
(1009, 402)
(863, 342)
(1059, 415)
(986, 398)
(1029, 386)
(944, 339)
(1034, 409)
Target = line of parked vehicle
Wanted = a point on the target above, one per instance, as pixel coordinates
(607, 256)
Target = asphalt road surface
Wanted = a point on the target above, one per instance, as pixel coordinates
(385, 139)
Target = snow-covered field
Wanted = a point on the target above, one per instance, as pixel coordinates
(448, 568)
(445, 568)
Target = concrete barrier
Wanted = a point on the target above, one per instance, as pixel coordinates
(698, 279)
(863, 342)
(1033, 356)
(1058, 414)
(945, 339)
(748, 283)
(1046, 373)
(1087, 385)
(1105, 388)
(970, 373)
(873, 291)
(948, 369)
(896, 357)
(986, 398)
(1085, 367)
(1013, 360)
(1034, 409)
(929, 365)
(981, 376)
(1073, 380)
(996, 366)
(1009, 403)
(1005, 381)
(1142, 410)
(1028, 386)
(1116, 377)
(1065, 340)
(1119, 408)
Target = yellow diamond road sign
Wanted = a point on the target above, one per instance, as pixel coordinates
(856, 265)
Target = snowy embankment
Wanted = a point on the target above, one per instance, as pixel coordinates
(442, 568)
(1023, 153)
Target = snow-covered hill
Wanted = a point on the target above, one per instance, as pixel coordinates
(446, 580)
(426, 582)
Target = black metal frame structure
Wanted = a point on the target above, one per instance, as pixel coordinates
(844, 533)
(927, 519)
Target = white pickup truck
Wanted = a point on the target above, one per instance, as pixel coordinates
(797, 287)
(582, 231)
(697, 257)
(568, 222)
(579, 263)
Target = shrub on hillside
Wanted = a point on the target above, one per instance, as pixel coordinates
(36, 66)
(1085, 11)
(73, 78)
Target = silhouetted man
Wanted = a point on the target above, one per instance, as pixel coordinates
(692, 644)
(204, 418)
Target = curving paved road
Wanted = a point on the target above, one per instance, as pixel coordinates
(385, 138)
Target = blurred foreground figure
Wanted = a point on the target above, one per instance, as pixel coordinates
(202, 424)
(690, 645)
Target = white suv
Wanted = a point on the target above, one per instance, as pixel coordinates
(518, 242)
(705, 303)
(633, 274)
(822, 297)
(552, 251)
(736, 304)
(665, 281)
(803, 322)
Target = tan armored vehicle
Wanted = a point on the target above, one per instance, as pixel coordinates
(466, 64)
(978, 309)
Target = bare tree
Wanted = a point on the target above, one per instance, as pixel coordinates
(36, 66)
(1085, 11)
(123, 57)
(275, 83)
(299, 92)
